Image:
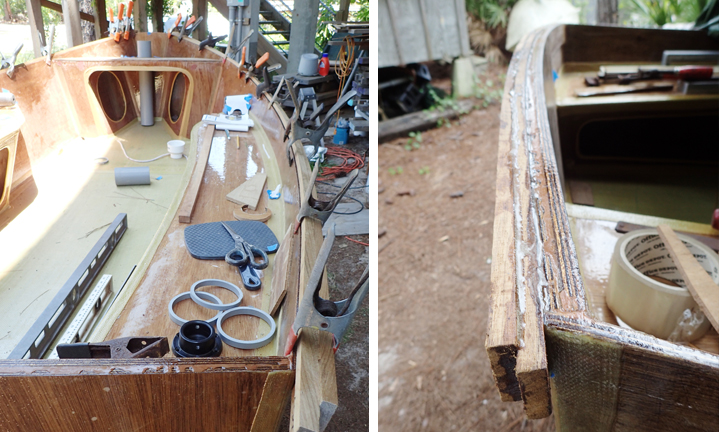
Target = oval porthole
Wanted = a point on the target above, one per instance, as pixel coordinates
(112, 98)
(177, 96)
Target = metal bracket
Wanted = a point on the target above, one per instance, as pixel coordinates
(38, 339)
(127, 347)
(321, 210)
(316, 312)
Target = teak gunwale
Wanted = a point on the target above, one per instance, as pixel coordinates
(266, 381)
(587, 372)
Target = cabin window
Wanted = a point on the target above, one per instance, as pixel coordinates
(111, 95)
(177, 96)
(4, 159)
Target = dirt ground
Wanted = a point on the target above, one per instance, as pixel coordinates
(434, 280)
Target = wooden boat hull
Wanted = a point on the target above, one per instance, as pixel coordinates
(242, 390)
(546, 341)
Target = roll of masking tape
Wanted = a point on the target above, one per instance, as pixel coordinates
(643, 281)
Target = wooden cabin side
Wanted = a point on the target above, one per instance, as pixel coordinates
(241, 391)
(600, 376)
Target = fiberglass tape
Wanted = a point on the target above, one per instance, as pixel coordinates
(644, 303)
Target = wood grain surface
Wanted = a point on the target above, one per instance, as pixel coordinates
(184, 213)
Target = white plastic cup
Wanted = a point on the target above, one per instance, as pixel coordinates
(176, 147)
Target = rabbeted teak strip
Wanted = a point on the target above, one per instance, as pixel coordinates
(531, 267)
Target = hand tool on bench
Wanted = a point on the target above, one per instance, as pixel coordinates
(120, 21)
(193, 27)
(631, 74)
(251, 70)
(176, 26)
(211, 41)
(306, 130)
(614, 89)
(187, 23)
(127, 21)
(322, 314)
(243, 256)
(127, 347)
(321, 210)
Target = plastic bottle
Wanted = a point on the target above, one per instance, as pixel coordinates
(324, 66)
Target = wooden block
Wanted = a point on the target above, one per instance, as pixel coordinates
(273, 402)
(249, 192)
(699, 283)
(287, 257)
(187, 206)
(581, 193)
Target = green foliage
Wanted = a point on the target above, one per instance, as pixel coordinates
(662, 12)
(414, 141)
(362, 15)
(487, 92)
(438, 102)
(324, 29)
(424, 170)
(395, 171)
(493, 13)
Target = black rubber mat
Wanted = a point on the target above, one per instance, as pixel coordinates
(212, 241)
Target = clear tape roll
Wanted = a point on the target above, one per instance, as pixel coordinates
(647, 304)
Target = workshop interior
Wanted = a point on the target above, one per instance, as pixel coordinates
(183, 214)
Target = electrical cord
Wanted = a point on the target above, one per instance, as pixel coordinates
(348, 197)
(144, 161)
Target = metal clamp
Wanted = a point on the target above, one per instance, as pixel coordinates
(321, 210)
(241, 344)
(10, 62)
(300, 129)
(210, 41)
(46, 49)
(186, 295)
(319, 313)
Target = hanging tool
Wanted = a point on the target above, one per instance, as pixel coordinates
(251, 71)
(321, 210)
(614, 89)
(187, 23)
(176, 26)
(322, 314)
(127, 21)
(191, 28)
(120, 22)
(243, 256)
(10, 62)
(306, 130)
(210, 41)
(127, 347)
(46, 50)
(267, 85)
(626, 75)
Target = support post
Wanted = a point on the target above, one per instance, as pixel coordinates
(157, 22)
(101, 24)
(607, 11)
(344, 11)
(71, 17)
(199, 9)
(36, 24)
(302, 34)
(141, 16)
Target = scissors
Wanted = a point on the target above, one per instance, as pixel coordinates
(243, 256)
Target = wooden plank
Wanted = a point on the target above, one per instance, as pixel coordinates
(712, 242)
(699, 283)
(419, 121)
(315, 397)
(285, 272)
(58, 8)
(354, 224)
(34, 13)
(184, 213)
(275, 396)
(116, 394)
(249, 192)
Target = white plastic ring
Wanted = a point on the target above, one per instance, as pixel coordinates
(241, 344)
(186, 295)
(218, 283)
